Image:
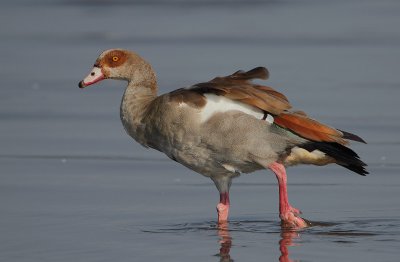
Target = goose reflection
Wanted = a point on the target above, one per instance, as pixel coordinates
(225, 241)
(287, 236)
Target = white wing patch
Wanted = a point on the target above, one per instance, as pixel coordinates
(269, 119)
(220, 104)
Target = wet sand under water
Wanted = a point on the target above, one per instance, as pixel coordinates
(74, 187)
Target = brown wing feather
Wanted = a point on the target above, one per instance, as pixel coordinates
(272, 92)
(187, 96)
(258, 72)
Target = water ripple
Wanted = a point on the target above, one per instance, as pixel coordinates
(356, 228)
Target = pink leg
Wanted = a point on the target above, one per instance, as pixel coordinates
(223, 207)
(287, 213)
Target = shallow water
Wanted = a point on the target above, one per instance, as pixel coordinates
(74, 187)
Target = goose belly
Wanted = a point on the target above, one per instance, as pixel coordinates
(210, 162)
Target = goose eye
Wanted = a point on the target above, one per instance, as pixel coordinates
(115, 58)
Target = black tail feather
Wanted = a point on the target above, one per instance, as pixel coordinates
(344, 156)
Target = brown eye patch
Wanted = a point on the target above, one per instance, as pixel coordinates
(115, 58)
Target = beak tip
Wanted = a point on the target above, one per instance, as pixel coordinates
(81, 84)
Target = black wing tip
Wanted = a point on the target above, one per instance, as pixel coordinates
(358, 169)
(350, 136)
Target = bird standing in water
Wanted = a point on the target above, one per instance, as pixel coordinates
(224, 127)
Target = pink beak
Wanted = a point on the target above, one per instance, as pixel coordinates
(94, 76)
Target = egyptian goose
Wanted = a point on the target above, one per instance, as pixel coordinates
(224, 127)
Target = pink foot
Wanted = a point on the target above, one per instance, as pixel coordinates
(223, 212)
(290, 219)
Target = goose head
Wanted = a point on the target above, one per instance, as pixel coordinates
(118, 64)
